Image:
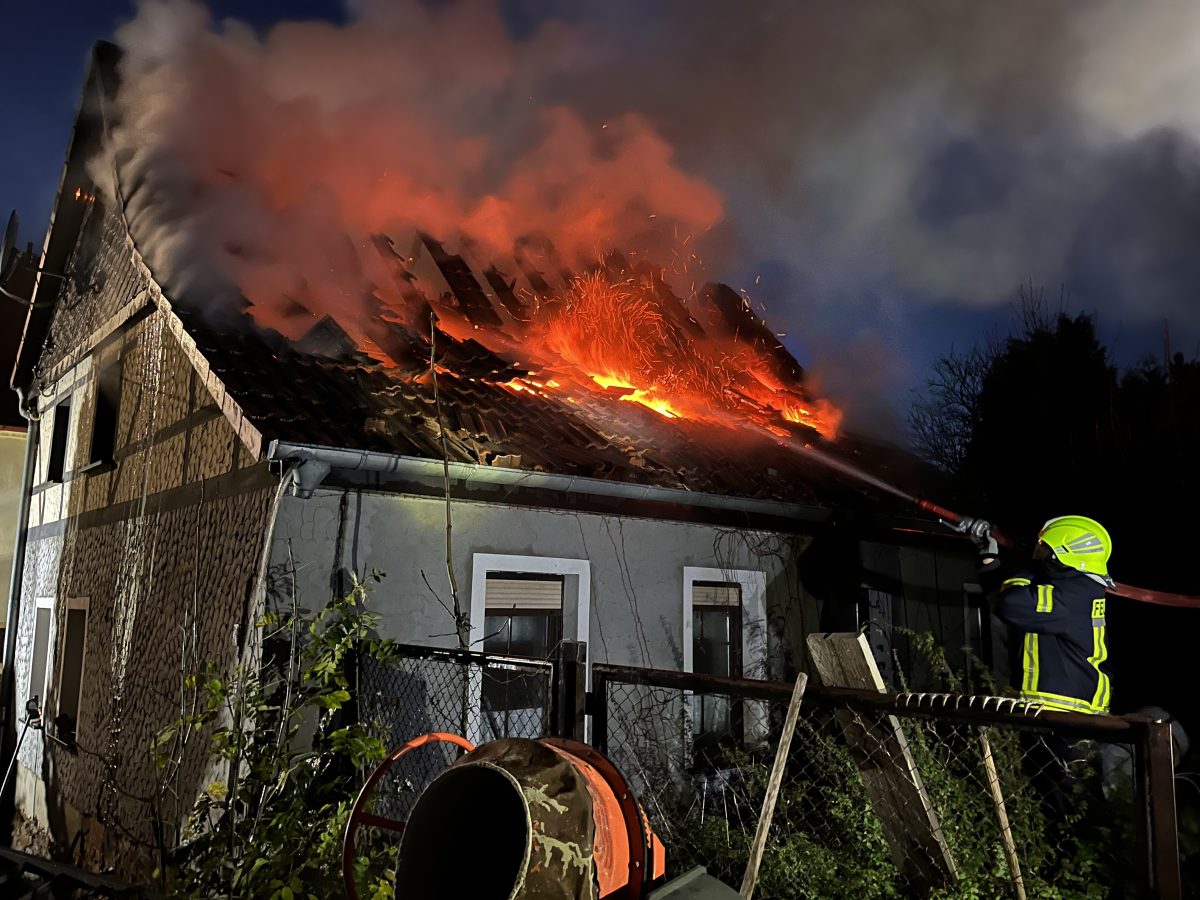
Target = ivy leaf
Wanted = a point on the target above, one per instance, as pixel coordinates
(334, 699)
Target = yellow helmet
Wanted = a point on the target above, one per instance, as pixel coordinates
(1078, 543)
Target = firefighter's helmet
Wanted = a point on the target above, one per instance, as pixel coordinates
(1078, 543)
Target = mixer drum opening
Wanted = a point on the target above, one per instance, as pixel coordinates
(468, 836)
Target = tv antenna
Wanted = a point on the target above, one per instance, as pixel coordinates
(8, 260)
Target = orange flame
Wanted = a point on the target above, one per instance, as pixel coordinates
(620, 336)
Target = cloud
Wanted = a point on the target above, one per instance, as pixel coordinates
(940, 150)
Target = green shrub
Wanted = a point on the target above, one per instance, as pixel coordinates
(272, 826)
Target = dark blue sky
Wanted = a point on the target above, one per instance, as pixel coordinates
(43, 58)
(43, 51)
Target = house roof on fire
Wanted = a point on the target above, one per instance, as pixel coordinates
(377, 392)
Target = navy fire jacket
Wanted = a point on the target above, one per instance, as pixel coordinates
(1057, 632)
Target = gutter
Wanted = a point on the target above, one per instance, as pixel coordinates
(315, 462)
(8, 682)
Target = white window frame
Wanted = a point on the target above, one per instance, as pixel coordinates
(51, 637)
(60, 644)
(753, 584)
(482, 564)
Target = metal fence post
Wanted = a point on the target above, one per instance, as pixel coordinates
(1156, 797)
(598, 709)
(570, 690)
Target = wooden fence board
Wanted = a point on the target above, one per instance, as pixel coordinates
(880, 750)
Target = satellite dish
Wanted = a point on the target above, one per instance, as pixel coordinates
(8, 252)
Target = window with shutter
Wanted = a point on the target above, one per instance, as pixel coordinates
(725, 634)
(524, 617)
(716, 650)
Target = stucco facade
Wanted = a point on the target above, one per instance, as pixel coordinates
(635, 567)
(161, 544)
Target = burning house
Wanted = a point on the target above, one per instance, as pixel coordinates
(592, 455)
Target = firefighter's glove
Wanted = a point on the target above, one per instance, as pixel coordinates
(980, 533)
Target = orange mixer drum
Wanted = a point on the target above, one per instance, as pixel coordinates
(538, 819)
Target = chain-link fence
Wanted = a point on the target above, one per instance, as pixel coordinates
(475, 695)
(894, 796)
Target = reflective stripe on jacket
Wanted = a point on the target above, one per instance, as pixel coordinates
(1058, 625)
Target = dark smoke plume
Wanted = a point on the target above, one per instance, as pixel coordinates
(870, 157)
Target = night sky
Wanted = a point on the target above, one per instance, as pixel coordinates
(43, 59)
(872, 368)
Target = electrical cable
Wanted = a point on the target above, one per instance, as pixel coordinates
(13, 762)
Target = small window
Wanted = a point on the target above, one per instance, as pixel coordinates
(57, 464)
(40, 658)
(108, 407)
(71, 667)
(716, 650)
(524, 617)
(523, 614)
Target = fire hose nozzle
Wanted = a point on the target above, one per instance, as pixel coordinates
(954, 521)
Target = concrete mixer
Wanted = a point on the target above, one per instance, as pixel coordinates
(521, 819)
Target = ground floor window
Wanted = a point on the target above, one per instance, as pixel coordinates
(523, 613)
(523, 606)
(523, 618)
(71, 668)
(725, 633)
(39, 658)
(716, 650)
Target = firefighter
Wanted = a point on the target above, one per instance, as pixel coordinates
(1057, 633)
(1056, 609)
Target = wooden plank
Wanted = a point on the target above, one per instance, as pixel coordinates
(773, 785)
(1010, 846)
(880, 749)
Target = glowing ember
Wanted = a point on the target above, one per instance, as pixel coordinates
(662, 407)
(606, 335)
(623, 336)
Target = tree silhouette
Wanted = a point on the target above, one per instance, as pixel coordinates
(1040, 424)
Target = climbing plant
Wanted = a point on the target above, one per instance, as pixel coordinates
(291, 752)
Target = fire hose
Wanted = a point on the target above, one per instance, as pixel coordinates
(951, 518)
(1127, 591)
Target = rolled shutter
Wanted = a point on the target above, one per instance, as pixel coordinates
(524, 593)
(716, 594)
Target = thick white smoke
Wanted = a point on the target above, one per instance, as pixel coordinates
(276, 158)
